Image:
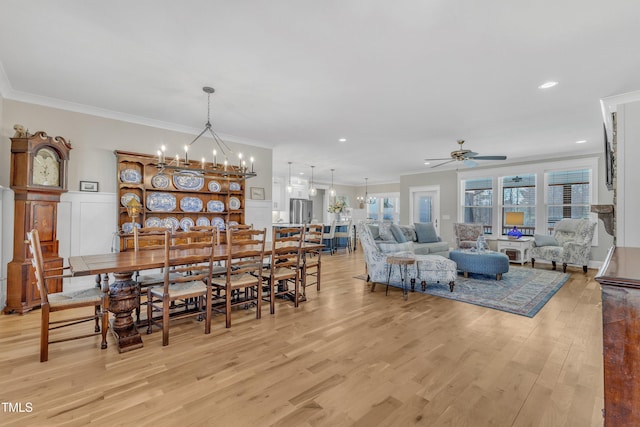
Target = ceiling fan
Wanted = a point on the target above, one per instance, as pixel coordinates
(468, 157)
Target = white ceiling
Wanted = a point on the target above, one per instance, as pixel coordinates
(400, 80)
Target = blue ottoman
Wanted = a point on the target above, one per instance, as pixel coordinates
(487, 262)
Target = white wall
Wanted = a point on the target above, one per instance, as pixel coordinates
(628, 180)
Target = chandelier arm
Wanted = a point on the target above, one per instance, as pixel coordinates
(220, 142)
(201, 133)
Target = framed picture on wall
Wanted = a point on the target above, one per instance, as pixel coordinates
(257, 193)
(89, 186)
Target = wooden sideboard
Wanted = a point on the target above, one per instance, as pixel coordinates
(620, 281)
(215, 195)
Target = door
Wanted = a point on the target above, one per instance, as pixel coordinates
(425, 205)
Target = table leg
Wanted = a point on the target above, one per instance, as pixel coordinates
(390, 266)
(123, 299)
(405, 292)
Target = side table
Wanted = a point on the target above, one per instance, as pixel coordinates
(402, 262)
(522, 246)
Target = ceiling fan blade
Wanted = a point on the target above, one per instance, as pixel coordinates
(470, 155)
(470, 163)
(443, 163)
(435, 160)
(490, 158)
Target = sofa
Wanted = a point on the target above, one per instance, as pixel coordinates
(569, 244)
(419, 238)
(428, 267)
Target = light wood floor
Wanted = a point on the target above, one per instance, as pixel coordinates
(345, 357)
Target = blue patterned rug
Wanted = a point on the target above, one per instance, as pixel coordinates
(523, 290)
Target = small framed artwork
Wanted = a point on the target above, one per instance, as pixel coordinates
(257, 193)
(89, 186)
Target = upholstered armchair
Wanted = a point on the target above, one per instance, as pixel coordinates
(570, 244)
(467, 234)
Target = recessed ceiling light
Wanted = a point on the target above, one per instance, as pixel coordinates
(582, 141)
(301, 173)
(547, 85)
(427, 163)
(343, 140)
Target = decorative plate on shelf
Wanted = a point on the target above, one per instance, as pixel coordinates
(214, 186)
(188, 181)
(203, 220)
(234, 186)
(191, 204)
(160, 181)
(171, 222)
(218, 222)
(186, 223)
(127, 197)
(153, 221)
(130, 176)
(234, 203)
(161, 202)
(215, 206)
(233, 223)
(128, 228)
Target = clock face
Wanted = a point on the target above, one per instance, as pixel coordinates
(46, 168)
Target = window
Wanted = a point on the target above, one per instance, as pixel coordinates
(478, 202)
(519, 195)
(386, 208)
(568, 195)
(543, 193)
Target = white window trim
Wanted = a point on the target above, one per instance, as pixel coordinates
(540, 170)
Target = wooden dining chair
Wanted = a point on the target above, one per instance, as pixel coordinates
(241, 285)
(87, 297)
(312, 257)
(192, 281)
(148, 238)
(284, 265)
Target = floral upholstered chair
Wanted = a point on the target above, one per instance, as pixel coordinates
(375, 256)
(570, 244)
(467, 234)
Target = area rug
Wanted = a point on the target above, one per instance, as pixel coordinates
(523, 290)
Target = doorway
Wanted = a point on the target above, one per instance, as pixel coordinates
(425, 205)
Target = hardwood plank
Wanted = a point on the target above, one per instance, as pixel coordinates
(345, 357)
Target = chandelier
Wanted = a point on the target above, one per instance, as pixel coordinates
(241, 170)
(366, 199)
(312, 189)
(332, 190)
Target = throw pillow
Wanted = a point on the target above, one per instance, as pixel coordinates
(544, 240)
(397, 234)
(385, 232)
(375, 231)
(568, 225)
(426, 232)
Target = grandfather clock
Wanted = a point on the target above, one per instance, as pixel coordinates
(38, 178)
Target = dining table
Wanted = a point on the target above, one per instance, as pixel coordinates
(123, 291)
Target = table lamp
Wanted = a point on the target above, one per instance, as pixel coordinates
(514, 219)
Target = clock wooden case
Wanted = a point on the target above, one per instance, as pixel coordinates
(38, 178)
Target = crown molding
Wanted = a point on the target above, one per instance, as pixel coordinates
(609, 105)
(7, 92)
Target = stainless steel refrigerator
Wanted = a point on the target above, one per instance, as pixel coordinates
(300, 211)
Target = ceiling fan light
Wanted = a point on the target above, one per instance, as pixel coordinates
(547, 85)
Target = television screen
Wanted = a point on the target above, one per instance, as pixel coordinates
(608, 161)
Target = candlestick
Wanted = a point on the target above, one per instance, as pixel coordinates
(186, 155)
(239, 160)
(244, 166)
(162, 148)
(177, 160)
(225, 164)
(159, 157)
(251, 164)
(203, 163)
(215, 162)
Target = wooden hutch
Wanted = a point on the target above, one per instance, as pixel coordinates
(177, 195)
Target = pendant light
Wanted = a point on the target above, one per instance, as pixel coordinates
(368, 200)
(332, 191)
(312, 189)
(289, 187)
